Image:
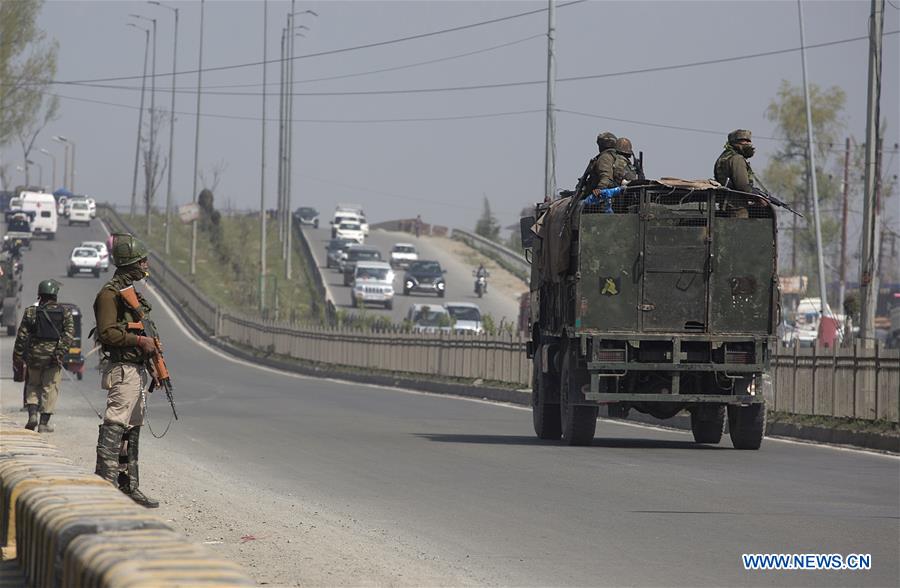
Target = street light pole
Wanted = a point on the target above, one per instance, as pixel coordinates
(151, 162)
(140, 129)
(53, 158)
(65, 142)
(823, 295)
(171, 128)
(197, 145)
(262, 171)
(73, 164)
(40, 171)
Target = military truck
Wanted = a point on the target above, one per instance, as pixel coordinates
(10, 290)
(660, 296)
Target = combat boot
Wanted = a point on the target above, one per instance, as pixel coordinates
(45, 426)
(132, 469)
(32, 417)
(109, 442)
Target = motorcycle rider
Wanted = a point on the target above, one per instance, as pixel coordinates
(480, 274)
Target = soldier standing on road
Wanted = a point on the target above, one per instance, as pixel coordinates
(731, 168)
(126, 352)
(45, 334)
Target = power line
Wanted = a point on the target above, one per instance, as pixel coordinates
(344, 76)
(315, 120)
(580, 78)
(336, 51)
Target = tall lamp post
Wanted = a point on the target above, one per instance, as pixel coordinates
(150, 171)
(53, 158)
(171, 126)
(197, 145)
(40, 171)
(290, 146)
(66, 171)
(140, 129)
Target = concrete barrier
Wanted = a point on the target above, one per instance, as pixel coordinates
(66, 527)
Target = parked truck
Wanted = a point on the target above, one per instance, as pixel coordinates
(660, 296)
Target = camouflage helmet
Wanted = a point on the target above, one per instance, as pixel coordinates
(738, 135)
(48, 288)
(126, 249)
(623, 146)
(606, 140)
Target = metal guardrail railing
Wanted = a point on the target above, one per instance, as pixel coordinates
(509, 259)
(844, 382)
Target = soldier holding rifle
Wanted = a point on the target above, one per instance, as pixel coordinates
(132, 350)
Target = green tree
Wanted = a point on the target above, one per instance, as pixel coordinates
(487, 226)
(787, 175)
(27, 65)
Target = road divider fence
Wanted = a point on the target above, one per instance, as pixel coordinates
(854, 382)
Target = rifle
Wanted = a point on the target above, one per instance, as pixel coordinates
(156, 365)
(639, 166)
(583, 179)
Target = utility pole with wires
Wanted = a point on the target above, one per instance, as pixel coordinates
(550, 147)
(868, 279)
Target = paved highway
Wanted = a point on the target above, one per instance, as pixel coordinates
(467, 484)
(458, 277)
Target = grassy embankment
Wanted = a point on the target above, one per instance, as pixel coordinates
(228, 271)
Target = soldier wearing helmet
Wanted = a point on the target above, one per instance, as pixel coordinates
(45, 334)
(731, 168)
(125, 350)
(599, 169)
(623, 168)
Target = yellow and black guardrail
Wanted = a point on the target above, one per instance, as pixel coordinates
(66, 528)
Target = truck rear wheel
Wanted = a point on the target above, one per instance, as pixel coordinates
(747, 425)
(707, 423)
(578, 422)
(544, 412)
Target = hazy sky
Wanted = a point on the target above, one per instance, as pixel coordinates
(442, 168)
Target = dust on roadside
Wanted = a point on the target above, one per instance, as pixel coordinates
(281, 540)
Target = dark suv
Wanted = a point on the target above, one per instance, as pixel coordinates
(357, 253)
(424, 276)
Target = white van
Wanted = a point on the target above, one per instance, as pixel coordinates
(45, 218)
(79, 212)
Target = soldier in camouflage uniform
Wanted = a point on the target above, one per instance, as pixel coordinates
(623, 168)
(45, 334)
(601, 166)
(731, 168)
(126, 350)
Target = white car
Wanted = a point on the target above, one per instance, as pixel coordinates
(84, 260)
(61, 205)
(466, 317)
(429, 318)
(373, 281)
(79, 212)
(350, 230)
(402, 254)
(100, 246)
(92, 207)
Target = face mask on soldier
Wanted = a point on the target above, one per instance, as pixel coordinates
(746, 149)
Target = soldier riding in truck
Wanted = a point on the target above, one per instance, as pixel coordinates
(658, 296)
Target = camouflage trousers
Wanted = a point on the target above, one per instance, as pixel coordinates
(123, 383)
(42, 387)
